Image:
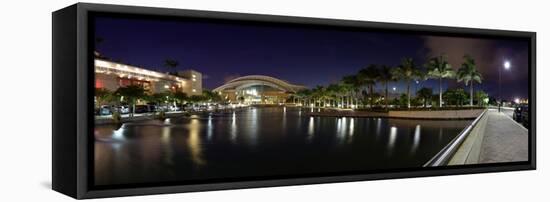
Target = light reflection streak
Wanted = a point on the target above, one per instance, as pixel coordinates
(378, 126)
(393, 137)
(233, 129)
(310, 128)
(165, 139)
(210, 128)
(194, 142)
(416, 139)
(119, 133)
(253, 127)
(351, 126)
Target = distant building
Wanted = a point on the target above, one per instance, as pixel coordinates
(196, 80)
(112, 75)
(258, 89)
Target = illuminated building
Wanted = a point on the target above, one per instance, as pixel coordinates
(258, 89)
(112, 75)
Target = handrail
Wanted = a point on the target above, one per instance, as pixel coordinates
(443, 156)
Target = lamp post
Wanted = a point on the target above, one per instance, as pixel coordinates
(506, 67)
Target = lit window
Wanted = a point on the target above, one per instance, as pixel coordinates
(194, 90)
(194, 76)
(194, 79)
(166, 86)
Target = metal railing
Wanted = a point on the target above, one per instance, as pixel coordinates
(444, 156)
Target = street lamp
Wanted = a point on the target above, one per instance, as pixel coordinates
(507, 66)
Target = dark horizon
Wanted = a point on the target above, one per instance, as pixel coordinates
(303, 56)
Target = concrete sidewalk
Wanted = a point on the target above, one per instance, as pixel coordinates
(504, 140)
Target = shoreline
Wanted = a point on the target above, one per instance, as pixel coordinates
(459, 114)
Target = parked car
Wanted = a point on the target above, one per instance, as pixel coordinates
(521, 114)
(174, 108)
(104, 110)
(141, 109)
(124, 109)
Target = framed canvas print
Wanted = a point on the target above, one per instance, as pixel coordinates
(154, 100)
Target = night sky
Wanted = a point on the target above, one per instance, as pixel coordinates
(306, 56)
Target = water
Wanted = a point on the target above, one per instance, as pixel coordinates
(258, 142)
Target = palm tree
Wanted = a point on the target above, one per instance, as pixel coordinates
(439, 68)
(321, 95)
(468, 73)
(352, 84)
(425, 94)
(171, 63)
(302, 96)
(407, 71)
(369, 76)
(335, 92)
(385, 77)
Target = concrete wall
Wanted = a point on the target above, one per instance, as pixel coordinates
(470, 149)
(445, 114)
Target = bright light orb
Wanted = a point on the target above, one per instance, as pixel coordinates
(507, 65)
(394, 88)
(516, 100)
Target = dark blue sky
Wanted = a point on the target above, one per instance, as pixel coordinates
(307, 56)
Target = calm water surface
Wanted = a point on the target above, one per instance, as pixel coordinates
(262, 142)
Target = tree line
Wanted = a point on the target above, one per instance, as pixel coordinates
(356, 90)
(131, 94)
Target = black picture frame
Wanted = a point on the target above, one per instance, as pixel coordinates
(72, 83)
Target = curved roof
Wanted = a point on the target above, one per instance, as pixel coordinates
(252, 80)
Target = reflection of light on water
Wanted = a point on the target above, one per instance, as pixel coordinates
(416, 139)
(210, 128)
(319, 110)
(393, 136)
(253, 127)
(378, 126)
(233, 130)
(341, 128)
(119, 134)
(166, 121)
(312, 109)
(338, 126)
(194, 142)
(165, 139)
(284, 110)
(344, 124)
(310, 128)
(300, 113)
(351, 126)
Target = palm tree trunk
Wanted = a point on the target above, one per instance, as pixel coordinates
(371, 93)
(440, 93)
(386, 95)
(408, 94)
(472, 92)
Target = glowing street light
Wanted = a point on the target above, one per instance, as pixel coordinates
(507, 65)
